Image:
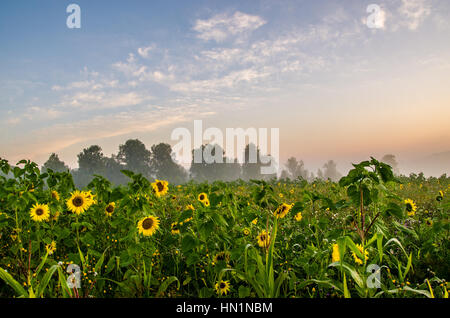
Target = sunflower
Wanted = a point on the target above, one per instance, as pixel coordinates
(246, 232)
(78, 203)
(282, 210)
(363, 251)
(263, 239)
(51, 248)
(40, 212)
(222, 256)
(202, 197)
(175, 228)
(55, 217)
(148, 225)
(440, 196)
(109, 210)
(411, 207)
(429, 222)
(160, 187)
(206, 202)
(55, 195)
(255, 221)
(190, 207)
(298, 217)
(335, 257)
(222, 287)
(90, 197)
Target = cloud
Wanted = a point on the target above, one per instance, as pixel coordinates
(143, 51)
(56, 137)
(102, 100)
(214, 84)
(222, 26)
(414, 12)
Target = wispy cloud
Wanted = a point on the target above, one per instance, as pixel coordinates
(414, 12)
(223, 26)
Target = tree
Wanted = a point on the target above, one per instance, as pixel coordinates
(135, 156)
(55, 164)
(251, 168)
(392, 161)
(90, 161)
(296, 169)
(330, 171)
(113, 171)
(163, 165)
(219, 169)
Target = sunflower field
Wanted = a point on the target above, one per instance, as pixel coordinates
(371, 234)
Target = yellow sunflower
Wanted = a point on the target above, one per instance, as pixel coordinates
(440, 196)
(51, 248)
(255, 221)
(56, 216)
(202, 197)
(222, 287)
(78, 203)
(298, 217)
(148, 225)
(246, 232)
(411, 207)
(90, 197)
(282, 210)
(40, 212)
(335, 257)
(363, 252)
(222, 256)
(109, 210)
(160, 187)
(55, 195)
(190, 207)
(263, 239)
(174, 228)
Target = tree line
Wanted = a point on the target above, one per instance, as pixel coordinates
(158, 163)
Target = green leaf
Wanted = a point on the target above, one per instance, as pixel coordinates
(188, 243)
(166, 283)
(394, 209)
(8, 279)
(45, 280)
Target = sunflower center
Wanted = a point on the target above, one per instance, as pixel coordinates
(408, 207)
(160, 186)
(262, 237)
(222, 285)
(77, 201)
(202, 197)
(147, 224)
(110, 209)
(39, 212)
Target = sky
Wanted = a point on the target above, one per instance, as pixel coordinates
(335, 87)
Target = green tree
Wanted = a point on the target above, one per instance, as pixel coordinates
(135, 156)
(163, 165)
(55, 164)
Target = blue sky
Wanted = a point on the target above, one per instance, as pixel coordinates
(138, 69)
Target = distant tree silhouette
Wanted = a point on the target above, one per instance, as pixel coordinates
(55, 164)
(90, 161)
(296, 169)
(163, 165)
(330, 171)
(212, 171)
(135, 156)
